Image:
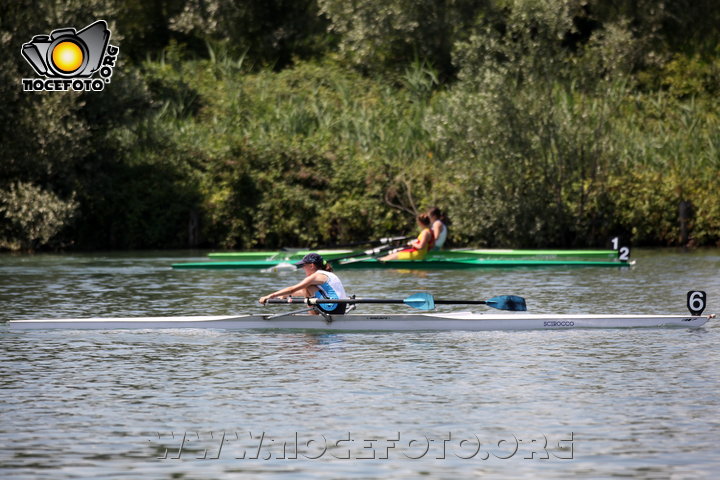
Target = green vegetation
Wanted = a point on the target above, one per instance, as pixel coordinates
(241, 124)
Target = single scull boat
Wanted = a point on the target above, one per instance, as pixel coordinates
(391, 322)
(378, 322)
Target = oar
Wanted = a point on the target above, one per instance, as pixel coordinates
(287, 266)
(421, 301)
(382, 241)
(371, 253)
(385, 243)
(512, 303)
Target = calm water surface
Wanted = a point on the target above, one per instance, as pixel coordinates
(208, 404)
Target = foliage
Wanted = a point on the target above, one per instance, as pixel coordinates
(32, 217)
(388, 35)
(272, 32)
(529, 137)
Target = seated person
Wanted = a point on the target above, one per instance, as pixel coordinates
(419, 247)
(439, 226)
(319, 282)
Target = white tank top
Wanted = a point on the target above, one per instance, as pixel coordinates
(333, 288)
(440, 241)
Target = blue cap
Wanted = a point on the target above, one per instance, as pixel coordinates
(311, 258)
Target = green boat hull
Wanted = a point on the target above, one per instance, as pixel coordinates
(431, 264)
(441, 254)
(511, 253)
(448, 264)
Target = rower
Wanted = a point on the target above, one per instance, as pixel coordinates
(439, 226)
(417, 249)
(319, 282)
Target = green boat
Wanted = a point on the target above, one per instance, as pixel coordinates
(428, 264)
(464, 263)
(460, 253)
(470, 253)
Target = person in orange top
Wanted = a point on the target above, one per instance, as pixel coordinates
(419, 247)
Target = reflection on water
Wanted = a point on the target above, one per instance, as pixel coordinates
(212, 404)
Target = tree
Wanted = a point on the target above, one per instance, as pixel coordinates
(387, 35)
(32, 217)
(272, 32)
(527, 128)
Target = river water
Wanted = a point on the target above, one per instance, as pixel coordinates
(210, 404)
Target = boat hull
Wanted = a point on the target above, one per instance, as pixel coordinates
(458, 253)
(431, 264)
(461, 264)
(513, 253)
(381, 322)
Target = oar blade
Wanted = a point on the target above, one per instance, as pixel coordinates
(421, 301)
(512, 303)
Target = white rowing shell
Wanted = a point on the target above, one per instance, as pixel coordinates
(390, 322)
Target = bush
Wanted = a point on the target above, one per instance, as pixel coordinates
(32, 217)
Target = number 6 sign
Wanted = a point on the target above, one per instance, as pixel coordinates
(696, 302)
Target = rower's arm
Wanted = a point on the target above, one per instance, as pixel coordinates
(314, 279)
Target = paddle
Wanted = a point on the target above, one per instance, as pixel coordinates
(421, 301)
(373, 252)
(382, 241)
(287, 266)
